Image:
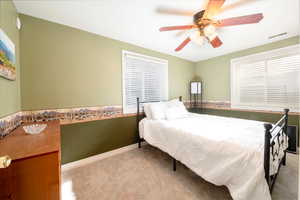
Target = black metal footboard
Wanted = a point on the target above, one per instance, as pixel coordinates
(275, 134)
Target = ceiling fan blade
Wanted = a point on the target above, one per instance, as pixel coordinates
(247, 19)
(216, 42)
(174, 28)
(185, 42)
(173, 11)
(213, 8)
(182, 32)
(204, 5)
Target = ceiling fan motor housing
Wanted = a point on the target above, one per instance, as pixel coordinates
(198, 16)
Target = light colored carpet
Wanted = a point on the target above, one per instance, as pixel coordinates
(146, 173)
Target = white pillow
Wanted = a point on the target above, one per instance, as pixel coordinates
(165, 110)
(175, 110)
(147, 110)
(158, 110)
(175, 103)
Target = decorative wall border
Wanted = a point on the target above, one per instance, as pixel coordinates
(86, 114)
(9, 123)
(73, 115)
(66, 116)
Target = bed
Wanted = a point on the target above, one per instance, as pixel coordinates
(243, 155)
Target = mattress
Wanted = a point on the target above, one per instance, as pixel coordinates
(224, 151)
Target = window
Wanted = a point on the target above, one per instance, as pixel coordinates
(144, 77)
(267, 81)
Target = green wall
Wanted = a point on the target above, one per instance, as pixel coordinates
(10, 90)
(66, 67)
(215, 72)
(91, 138)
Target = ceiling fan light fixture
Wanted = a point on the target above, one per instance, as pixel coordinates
(209, 30)
(196, 37)
(212, 37)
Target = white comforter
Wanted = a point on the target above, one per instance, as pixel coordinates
(223, 151)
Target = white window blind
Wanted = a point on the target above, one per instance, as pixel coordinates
(267, 81)
(144, 77)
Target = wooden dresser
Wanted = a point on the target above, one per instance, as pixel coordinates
(34, 173)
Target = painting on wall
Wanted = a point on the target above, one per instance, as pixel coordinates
(7, 57)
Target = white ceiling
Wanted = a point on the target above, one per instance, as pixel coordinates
(137, 22)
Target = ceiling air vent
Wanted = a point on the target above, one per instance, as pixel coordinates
(277, 35)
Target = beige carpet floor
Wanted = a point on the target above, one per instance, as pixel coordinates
(146, 173)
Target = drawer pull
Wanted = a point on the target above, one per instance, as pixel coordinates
(5, 161)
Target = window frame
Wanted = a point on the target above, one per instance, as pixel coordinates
(146, 58)
(265, 57)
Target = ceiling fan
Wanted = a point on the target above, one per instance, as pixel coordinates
(206, 26)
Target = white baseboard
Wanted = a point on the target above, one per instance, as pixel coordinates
(91, 159)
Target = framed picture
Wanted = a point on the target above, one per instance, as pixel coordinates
(7, 57)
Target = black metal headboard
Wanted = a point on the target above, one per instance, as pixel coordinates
(140, 115)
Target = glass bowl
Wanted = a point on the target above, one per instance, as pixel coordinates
(34, 128)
